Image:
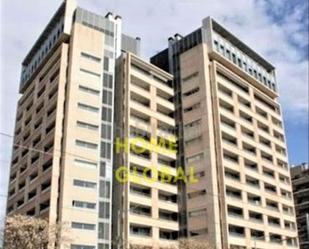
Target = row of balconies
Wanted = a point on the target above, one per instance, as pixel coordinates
(256, 183)
(237, 194)
(228, 95)
(259, 235)
(256, 217)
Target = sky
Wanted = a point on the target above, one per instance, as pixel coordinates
(276, 29)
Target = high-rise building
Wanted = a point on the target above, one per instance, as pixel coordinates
(146, 209)
(300, 183)
(230, 130)
(63, 151)
(83, 87)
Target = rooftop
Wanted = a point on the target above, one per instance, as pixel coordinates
(55, 19)
(241, 45)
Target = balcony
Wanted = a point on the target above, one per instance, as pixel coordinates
(168, 235)
(168, 215)
(167, 197)
(254, 199)
(236, 231)
(255, 217)
(140, 230)
(140, 190)
(231, 174)
(140, 210)
(235, 212)
(233, 193)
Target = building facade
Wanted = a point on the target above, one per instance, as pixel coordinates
(83, 87)
(63, 151)
(230, 130)
(300, 182)
(146, 204)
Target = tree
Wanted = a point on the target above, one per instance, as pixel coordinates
(194, 244)
(182, 244)
(32, 233)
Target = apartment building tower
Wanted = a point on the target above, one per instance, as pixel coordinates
(95, 139)
(62, 157)
(230, 129)
(300, 183)
(146, 207)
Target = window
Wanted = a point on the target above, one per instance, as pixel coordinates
(227, 122)
(233, 192)
(197, 193)
(228, 54)
(236, 231)
(199, 212)
(249, 148)
(245, 116)
(226, 106)
(191, 92)
(106, 150)
(193, 140)
(195, 123)
(103, 246)
(272, 204)
(84, 184)
(104, 190)
(107, 80)
(82, 247)
(253, 182)
(83, 204)
(107, 97)
(232, 174)
(257, 235)
(216, 45)
(225, 90)
(235, 211)
(104, 210)
(106, 131)
(90, 73)
(190, 76)
(234, 83)
(86, 144)
(254, 199)
(87, 107)
(270, 188)
(106, 114)
(234, 57)
(84, 163)
(255, 216)
(195, 158)
(193, 107)
(222, 50)
(275, 238)
(103, 231)
(102, 169)
(273, 221)
(87, 125)
(83, 226)
(198, 232)
(139, 230)
(228, 138)
(90, 57)
(106, 63)
(244, 102)
(89, 90)
(227, 155)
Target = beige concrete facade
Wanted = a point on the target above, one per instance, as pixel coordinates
(59, 170)
(222, 101)
(232, 133)
(146, 210)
